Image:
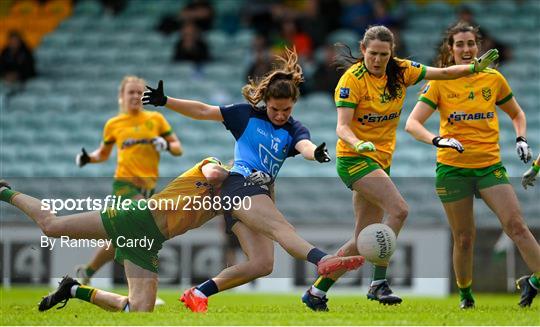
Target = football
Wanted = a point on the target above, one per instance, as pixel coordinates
(376, 243)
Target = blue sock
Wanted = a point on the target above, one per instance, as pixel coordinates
(208, 288)
(315, 255)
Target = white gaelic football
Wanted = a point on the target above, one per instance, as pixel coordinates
(376, 243)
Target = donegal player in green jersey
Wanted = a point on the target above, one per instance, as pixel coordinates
(468, 157)
(139, 136)
(369, 98)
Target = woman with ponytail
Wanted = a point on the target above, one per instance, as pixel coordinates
(468, 158)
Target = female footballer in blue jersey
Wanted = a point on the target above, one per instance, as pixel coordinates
(265, 137)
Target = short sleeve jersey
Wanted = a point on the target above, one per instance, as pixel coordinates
(260, 145)
(376, 115)
(467, 113)
(176, 199)
(137, 158)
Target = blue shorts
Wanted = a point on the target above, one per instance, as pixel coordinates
(235, 186)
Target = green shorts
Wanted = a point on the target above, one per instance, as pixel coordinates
(454, 183)
(131, 232)
(351, 169)
(128, 190)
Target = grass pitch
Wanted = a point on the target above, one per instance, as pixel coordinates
(18, 306)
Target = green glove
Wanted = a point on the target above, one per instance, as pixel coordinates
(530, 175)
(479, 64)
(363, 146)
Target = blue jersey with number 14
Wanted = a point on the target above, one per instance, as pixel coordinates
(260, 145)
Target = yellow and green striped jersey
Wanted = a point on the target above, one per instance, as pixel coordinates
(137, 158)
(179, 196)
(467, 113)
(376, 117)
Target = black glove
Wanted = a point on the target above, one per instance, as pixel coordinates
(447, 143)
(82, 158)
(259, 178)
(155, 97)
(321, 153)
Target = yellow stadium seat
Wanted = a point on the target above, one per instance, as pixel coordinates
(42, 24)
(32, 39)
(11, 23)
(57, 9)
(3, 40)
(25, 8)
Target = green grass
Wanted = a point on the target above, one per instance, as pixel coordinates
(18, 306)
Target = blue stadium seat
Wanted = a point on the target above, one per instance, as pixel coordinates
(500, 6)
(23, 103)
(180, 71)
(39, 86)
(222, 72)
(346, 37)
(76, 23)
(217, 40)
(56, 40)
(244, 38)
(87, 8)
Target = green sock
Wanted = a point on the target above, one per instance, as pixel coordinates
(89, 271)
(379, 273)
(6, 195)
(534, 280)
(323, 283)
(85, 293)
(465, 293)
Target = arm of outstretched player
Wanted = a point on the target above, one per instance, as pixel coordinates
(102, 153)
(345, 133)
(416, 120)
(516, 114)
(175, 146)
(214, 174)
(193, 109)
(457, 71)
(415, 126)
(99, 155)
(310, 151)
(343, 128)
